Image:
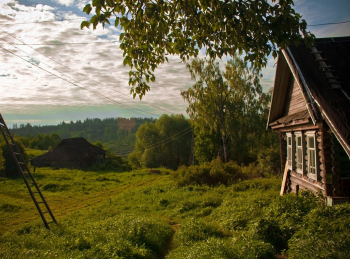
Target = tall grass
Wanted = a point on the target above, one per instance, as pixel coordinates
(141, 214)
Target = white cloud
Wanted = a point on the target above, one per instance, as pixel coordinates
(65, 2)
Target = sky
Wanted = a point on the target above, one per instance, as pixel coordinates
(81, 73)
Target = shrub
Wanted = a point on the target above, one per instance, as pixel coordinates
(269, 160)
(214, 173)
(211, 248)
(9, 165)
(325, 233)
(245, 247)
(195, 230)
(269, 231)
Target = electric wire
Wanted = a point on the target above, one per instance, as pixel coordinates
(76, 83)
(154, 106)
(86, 18)
(155, 145)
(329, 23)
(160, 143)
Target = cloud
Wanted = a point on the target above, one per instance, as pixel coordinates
(65, 2)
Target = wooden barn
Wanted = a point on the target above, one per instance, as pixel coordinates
(310, 109)
(71, 153)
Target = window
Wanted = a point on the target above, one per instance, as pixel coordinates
(311, 153)
(290, 150)
(299, 150)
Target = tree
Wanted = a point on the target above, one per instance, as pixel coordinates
(225, 109)
(9, 165)
(167, 142)
(153, 29)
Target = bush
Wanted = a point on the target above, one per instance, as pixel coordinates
(211, 248)
(195, 230)
(325, 233)
(215, 173)
(269, 160)
(8, 164)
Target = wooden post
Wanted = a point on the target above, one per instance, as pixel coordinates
(284, 178)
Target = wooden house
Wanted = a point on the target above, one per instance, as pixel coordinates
(70, 153)
(310, 108)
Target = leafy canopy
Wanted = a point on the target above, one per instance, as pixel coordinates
(153, 29)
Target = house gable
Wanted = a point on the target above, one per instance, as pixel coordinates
(289, 98)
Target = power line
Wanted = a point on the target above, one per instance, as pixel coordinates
(87, 19)
(67, 43)
(76, 83)
(329, 23)
(154, 106)
(62, 20)
(160, 143)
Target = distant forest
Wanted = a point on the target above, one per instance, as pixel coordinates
(116, 134)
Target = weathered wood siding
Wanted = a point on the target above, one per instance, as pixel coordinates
(324, 140)
(294, 101)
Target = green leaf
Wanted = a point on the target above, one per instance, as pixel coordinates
(87, 9)
(85, 24)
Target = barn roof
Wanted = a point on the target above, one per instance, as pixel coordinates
(71, 149)
(312, 69)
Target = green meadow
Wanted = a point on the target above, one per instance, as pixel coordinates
(141, 214)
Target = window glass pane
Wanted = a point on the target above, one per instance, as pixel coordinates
(311, 142)
(299, 141)
(299, 156)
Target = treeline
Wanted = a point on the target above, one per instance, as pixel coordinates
(118, 134)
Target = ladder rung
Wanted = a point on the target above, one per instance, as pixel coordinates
(21, 163)
(16, 153)
(51, 222)
(40, 202)
(45, 212)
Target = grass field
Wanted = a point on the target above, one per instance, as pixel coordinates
(145, 215)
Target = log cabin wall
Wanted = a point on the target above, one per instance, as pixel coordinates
(340, 168)
(322, 181)
(283, 150)
(294, 101)
(324, 140)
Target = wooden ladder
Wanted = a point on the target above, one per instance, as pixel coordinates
(35, 193)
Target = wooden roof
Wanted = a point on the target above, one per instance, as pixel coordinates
(325, 97)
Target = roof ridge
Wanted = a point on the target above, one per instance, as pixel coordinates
(331, 79)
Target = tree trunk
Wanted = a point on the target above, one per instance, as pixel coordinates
(224, 145)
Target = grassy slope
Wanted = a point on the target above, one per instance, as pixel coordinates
(134, 215)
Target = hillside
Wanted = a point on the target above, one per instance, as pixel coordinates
(118, 134)
(141, 214)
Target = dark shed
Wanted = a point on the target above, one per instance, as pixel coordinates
(71, 153)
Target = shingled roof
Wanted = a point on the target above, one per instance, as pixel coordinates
(331, 95)
(70, 152)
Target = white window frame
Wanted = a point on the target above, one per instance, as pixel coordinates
(299, 152)
(290, 150)
(312, 153)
